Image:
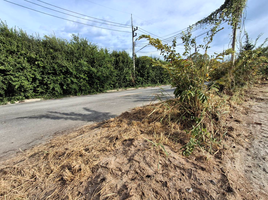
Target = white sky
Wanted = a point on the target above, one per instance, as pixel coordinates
(160, 17)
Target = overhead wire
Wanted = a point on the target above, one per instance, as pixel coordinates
(142, 48)
(149, 52)
(169, 39)
(146, 32)
(74, 15)
(177, 44)
(142, 30)
(176, 34)
(164, 39)
(179, 32)
(66, 18)
(101, 20)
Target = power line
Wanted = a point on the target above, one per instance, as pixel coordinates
(171, 36)
(76, 13)
(138, 42)
(140, 29)
(75, 16)
(146, 32)
(149, 52)
(170, 39)
(197, 36)
(65, 18)
(177, 44)
(175, 33)
(142, 48)
(112, 48)
(179, 32)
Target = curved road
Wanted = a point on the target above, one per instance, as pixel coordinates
(24, 125)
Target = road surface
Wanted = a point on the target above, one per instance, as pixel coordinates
(24, 125)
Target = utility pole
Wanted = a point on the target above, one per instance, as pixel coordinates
(234, 43)
(133, 46)
(237, 16)
(195, 47)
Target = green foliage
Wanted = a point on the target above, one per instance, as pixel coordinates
(230, 11)
(248, 45)
(52, 67)
(147, 73)
(251, 65)
(196, 111)
(188, 77)
(123, 69)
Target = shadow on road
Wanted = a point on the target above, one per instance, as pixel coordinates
(152, 98)
(93, 115)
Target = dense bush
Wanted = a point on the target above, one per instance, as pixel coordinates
(148, 74)
(197, 108)
(51, 67)
(250, 66)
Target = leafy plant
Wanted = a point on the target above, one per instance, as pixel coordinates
(188, 76)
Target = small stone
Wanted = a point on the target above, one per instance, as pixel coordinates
(190, 190)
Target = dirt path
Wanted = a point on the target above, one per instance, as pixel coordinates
(256, 159)
(247, 155)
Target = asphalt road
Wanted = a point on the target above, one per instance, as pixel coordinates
(24, 125)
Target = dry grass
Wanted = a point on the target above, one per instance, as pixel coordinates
(124, 158)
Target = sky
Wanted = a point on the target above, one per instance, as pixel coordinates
(107, 23)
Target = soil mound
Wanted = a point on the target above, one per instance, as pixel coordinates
(129, 157)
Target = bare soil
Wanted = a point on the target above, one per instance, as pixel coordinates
(129, 157)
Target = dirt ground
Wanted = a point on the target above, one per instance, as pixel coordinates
(256, 155)
(128, 157)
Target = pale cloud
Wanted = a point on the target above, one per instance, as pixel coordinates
(161, 18)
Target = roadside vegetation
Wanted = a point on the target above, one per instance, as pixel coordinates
(205, 85)
(200, 109)
(49, 67)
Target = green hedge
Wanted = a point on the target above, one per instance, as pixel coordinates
(50, 67)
